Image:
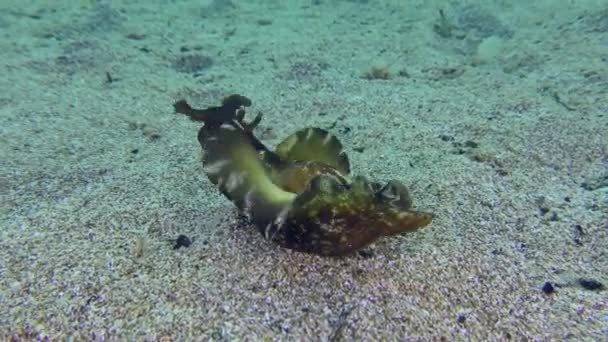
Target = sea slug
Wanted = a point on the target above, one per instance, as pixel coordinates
(300, 195)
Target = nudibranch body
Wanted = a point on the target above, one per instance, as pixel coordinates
(300, 195)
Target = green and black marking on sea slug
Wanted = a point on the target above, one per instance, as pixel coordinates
(300, 195)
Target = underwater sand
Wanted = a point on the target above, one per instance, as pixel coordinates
(496, 120)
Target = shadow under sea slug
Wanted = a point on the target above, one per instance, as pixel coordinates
(299, 196)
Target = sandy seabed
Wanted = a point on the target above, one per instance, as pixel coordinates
(495, 118)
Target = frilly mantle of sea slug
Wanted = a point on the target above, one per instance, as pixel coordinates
(300, 195)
